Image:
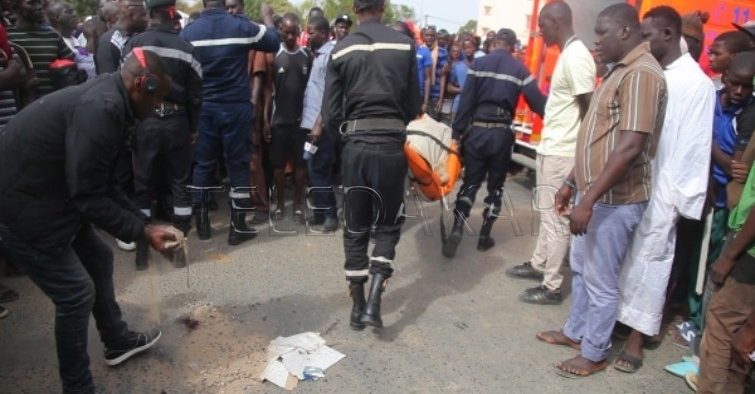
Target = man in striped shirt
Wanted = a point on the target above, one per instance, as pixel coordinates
(615, 145)
(43, 44)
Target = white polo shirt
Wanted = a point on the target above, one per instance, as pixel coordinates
(574, 75)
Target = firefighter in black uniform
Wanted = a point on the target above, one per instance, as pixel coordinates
(371, 94)
(483, 125)
(170, 132)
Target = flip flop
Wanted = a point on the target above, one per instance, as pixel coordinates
(8, 295)
(635, 363)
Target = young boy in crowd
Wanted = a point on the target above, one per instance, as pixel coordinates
(731, 305)
(724, 47)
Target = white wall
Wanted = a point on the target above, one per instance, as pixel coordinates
(512, 14)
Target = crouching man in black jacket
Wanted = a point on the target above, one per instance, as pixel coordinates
(57, 158)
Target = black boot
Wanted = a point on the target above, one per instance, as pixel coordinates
(357, 296)
(204, 230)
(449, 247)
(182, 223)
(371, 314)
(486, 241)
(239, 232)
(142, 255)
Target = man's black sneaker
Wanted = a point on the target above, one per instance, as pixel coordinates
(134, 343)
(541, 296)
(525, 271)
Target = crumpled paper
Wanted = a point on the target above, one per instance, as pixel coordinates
(289, 356)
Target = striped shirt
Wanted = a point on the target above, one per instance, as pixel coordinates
(632, 98)
(44, 45)
(7, 105)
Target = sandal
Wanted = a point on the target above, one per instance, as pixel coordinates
(525, 271)
(633, 363)
(7, 295)
(299, 215)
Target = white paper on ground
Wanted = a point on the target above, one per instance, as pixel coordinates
(275, 373)
(290, 355)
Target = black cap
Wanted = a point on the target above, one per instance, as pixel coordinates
(507, 35)
(748, 28)
(363, 4)
(343, 18)
(150, 4)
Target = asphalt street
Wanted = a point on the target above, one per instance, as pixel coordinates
(451, 325)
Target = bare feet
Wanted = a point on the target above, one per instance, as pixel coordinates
(630, 359)
(557, 338)
(579, 367)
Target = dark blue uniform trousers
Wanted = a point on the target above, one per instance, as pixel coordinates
(486, 151)
(224, 129)
(373, 180)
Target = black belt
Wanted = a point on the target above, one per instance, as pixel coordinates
(503, 115)
(167, 109)
(357, 125)
(491, 125)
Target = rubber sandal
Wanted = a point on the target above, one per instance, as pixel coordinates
(635, 363)
(8, 295)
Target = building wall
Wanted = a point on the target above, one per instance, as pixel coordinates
(512, 14)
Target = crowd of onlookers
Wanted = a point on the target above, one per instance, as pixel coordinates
(686, 224)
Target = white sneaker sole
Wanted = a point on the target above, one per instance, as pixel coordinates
(127, 355)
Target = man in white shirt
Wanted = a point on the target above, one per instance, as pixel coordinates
(679, 183)
(571, 89)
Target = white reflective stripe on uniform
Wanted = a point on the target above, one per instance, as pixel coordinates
(176, 54)
(231, 41)
(147, 212)
(182, 211)
(501, 77)
(357, 273)
(381, 259)
(239, 195)
(372, 48)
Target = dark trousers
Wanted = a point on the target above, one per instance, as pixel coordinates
(79, 282)
(485, 152)
(167, 137)
(224, 131)
(373, 180)
(321, 177)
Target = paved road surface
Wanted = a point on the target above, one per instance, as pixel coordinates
(451, 326)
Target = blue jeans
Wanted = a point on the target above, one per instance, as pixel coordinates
(320, 177)
(224, 130)
(79, 282)
(595, 263)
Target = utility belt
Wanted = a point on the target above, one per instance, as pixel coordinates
(356, 126)
(166, 109)
(490, 115)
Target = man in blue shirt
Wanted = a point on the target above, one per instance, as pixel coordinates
(223, 42)
(439, 58)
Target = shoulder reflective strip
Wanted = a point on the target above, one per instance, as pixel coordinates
(381, 259)
(147, 212)
(501, 77)
(176, 54)
(231, 41)
(357, 273)
(372, 48)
